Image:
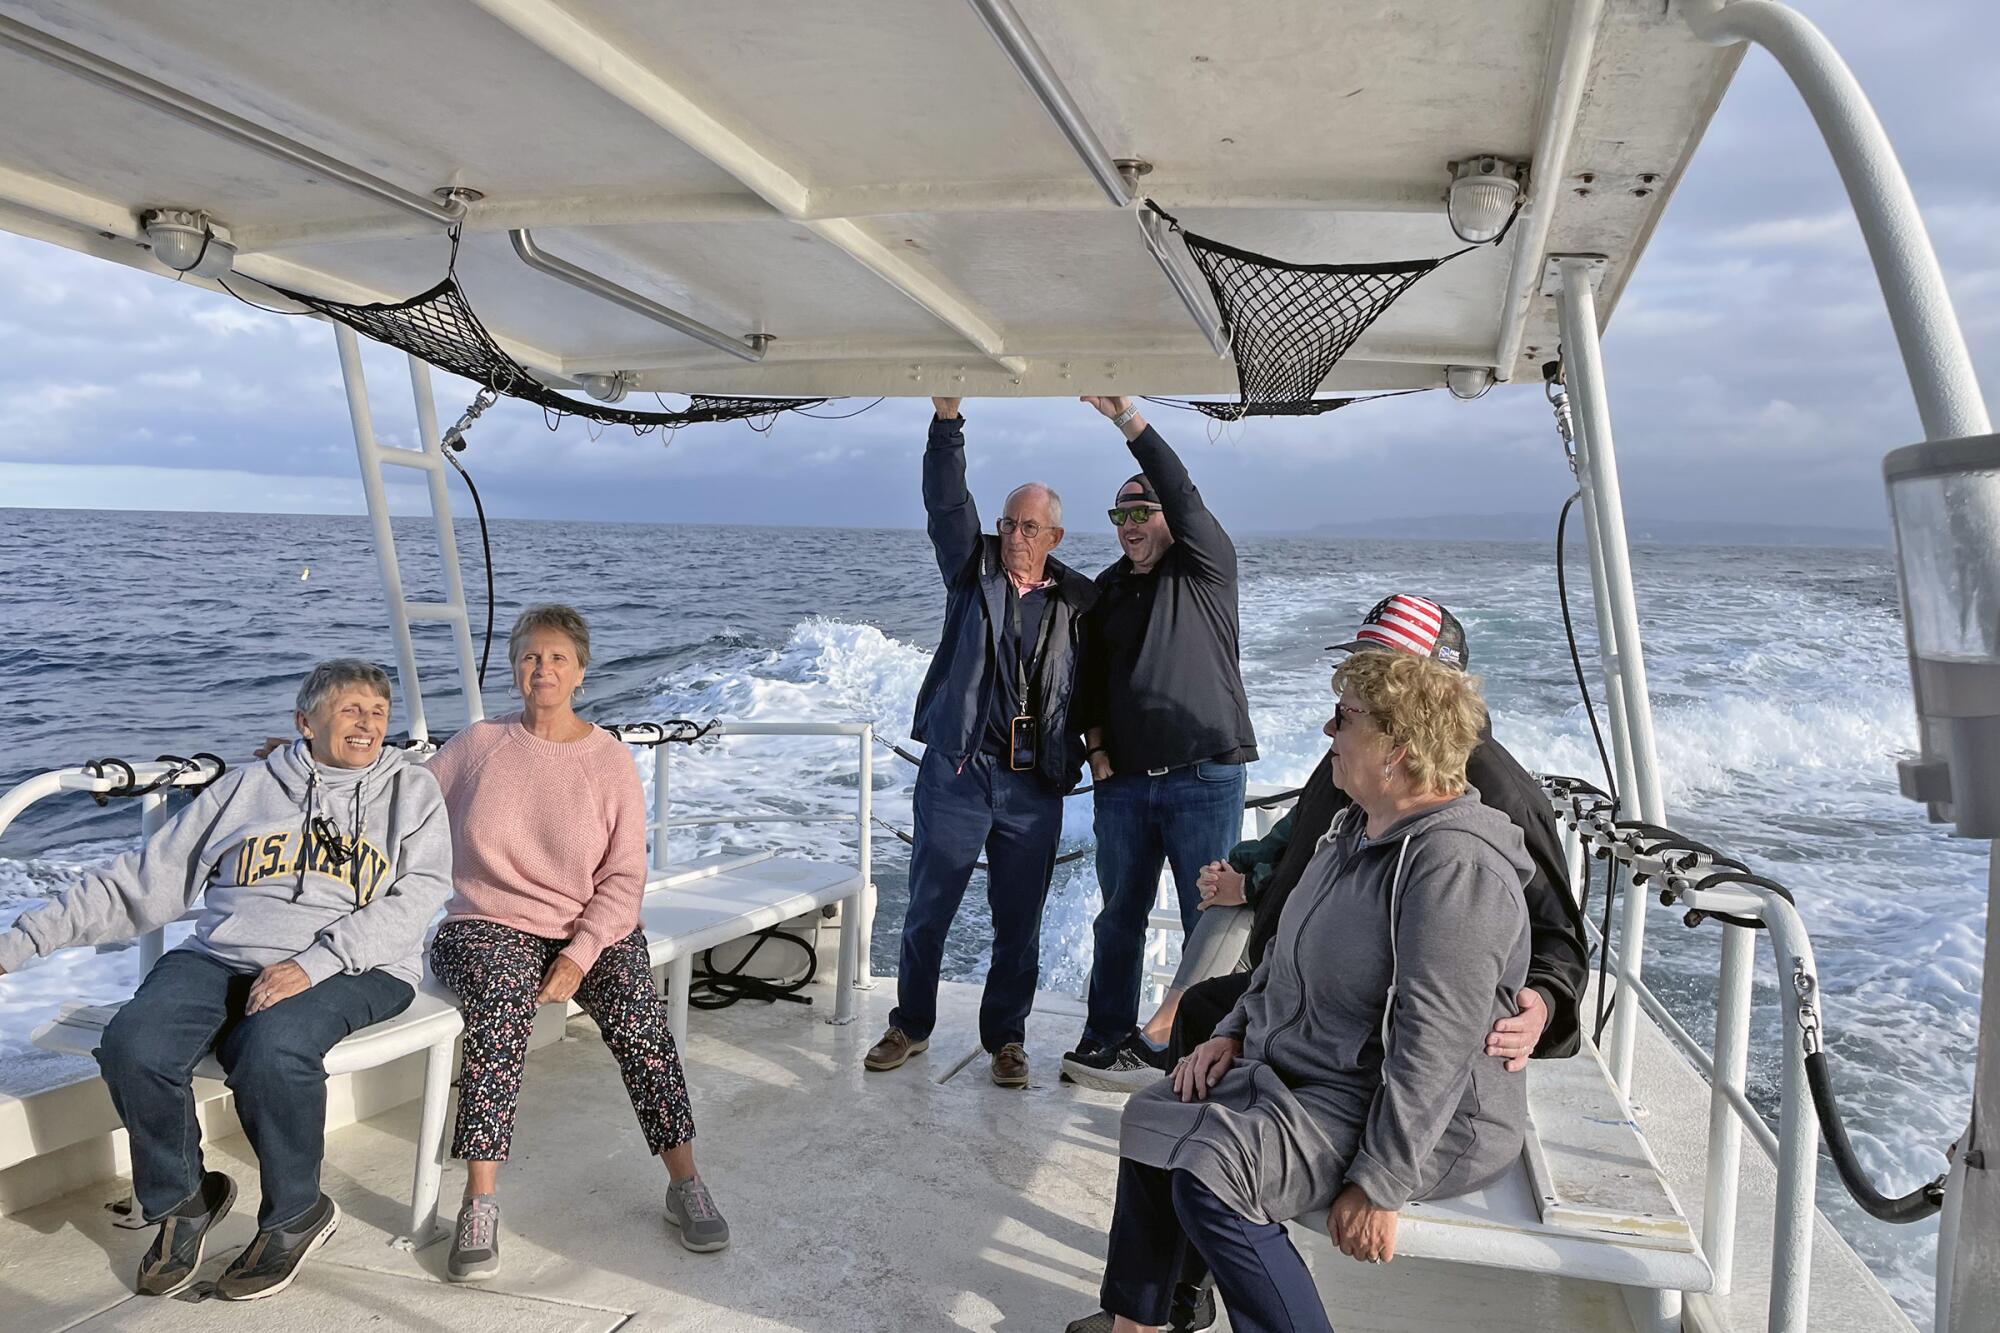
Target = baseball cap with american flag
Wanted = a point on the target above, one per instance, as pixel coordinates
(1411, 624)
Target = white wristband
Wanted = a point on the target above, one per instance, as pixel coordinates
(1125, 416)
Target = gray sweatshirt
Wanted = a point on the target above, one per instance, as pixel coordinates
(1342, 1078)
(270, 888)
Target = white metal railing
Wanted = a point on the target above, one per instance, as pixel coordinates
(168, 774)
(662, 738)
(1794, 1149)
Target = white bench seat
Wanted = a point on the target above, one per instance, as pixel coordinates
(694, 907)
(1586, 1200)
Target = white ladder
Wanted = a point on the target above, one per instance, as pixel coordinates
(429, 459)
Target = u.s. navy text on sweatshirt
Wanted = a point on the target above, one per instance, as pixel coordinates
(335, 869)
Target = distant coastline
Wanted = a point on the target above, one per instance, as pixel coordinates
(1658, 532)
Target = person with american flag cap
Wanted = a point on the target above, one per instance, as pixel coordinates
(1243, 894)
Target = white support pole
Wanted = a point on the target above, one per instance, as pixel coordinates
(152, 817)
(1583, 362)
(454, 579)
(365, 449)
(662, 808)
(1607, 636)
(1933, 347)
(1725, 1130)
(864, 976)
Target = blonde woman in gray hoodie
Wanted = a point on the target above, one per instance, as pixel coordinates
(317, 872)
(1351, 1078)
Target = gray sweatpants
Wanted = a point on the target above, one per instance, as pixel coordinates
(1214, 946)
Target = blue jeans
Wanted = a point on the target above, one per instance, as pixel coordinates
(1016, 818)
(190, 1004)
(1185, 819)
(1168, 1228)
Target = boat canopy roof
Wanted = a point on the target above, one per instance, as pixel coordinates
(876, 185)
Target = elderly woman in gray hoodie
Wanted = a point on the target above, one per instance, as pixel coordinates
(316, 873)
(1350, 1079)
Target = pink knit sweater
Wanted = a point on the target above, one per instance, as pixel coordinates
(548, 837)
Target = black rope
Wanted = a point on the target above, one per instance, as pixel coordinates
(717, 988)
(485, 550)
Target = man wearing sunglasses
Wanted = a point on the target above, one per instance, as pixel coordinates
(1000, 752)
(1169, 724)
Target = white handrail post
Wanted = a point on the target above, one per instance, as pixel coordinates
(1725, 1131)
(864, 976)
(363, 419)
(1583, 363)
(152, 818)
(662, 806)
(454, 580)
(1798, 1130)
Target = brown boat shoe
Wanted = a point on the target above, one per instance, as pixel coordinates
(1010, 1065)
(895, 1047)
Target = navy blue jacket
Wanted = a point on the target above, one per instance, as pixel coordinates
(958, 690)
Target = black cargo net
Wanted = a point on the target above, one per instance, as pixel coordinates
(439, 326)
(1310, 407)
(1288, 324)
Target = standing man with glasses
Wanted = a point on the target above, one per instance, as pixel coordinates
(1001, 750)
(1169, 726)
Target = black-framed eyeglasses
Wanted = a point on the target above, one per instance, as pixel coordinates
(1131, 514)
(1027, 527)
(1344, 712)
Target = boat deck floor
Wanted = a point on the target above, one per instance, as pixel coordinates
(917, 1199)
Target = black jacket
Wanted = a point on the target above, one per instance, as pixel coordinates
(1172, 695)
(1560, 961)
(957, 691)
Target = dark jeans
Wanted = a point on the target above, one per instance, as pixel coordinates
(1183, 819)
(1203, 1005)
(190, 1004)
(1166, 1226)
(1016, 818)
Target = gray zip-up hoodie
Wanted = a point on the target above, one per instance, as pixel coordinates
(1345, 1076)
(275, 888)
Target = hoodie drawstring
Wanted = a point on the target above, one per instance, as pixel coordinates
(1395, 887)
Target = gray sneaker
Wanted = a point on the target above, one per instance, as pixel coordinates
(691, 1208)
(475, 1242)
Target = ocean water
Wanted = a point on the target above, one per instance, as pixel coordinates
(1780, 694)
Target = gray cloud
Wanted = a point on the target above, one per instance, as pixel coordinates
(1753, 372)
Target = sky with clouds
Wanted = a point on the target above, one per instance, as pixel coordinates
(1754, 377)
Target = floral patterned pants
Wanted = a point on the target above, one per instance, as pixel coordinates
(497, 972)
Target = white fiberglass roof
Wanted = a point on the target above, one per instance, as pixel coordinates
(874, 184)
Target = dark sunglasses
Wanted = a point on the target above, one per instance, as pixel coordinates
(1131, 514)
(1344, 713)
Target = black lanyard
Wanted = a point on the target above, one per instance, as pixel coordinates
(1027, 668)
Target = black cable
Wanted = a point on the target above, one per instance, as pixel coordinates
(486, 550)
(1575, 657)
(718, 988)
(1915, 1206)
(1604, 948)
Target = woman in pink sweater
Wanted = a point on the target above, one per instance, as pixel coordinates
(548, 831)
